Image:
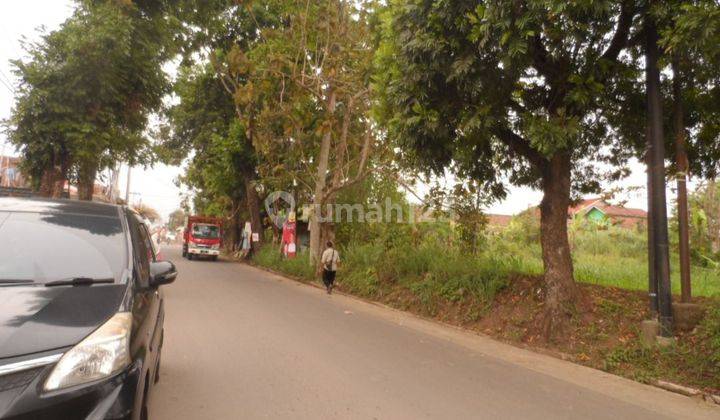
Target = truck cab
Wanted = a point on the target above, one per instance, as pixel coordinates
(202, 237)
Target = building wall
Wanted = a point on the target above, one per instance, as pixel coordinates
(595, 215)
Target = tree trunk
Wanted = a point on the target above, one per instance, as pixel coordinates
(327, 233)
(59, 187)
(47, 181)
(63, 176)
(86, 180)
(681, 160)
(713, 211)
(232, 238)
(318, 197)
(562, 293)
(52, 182)
(253, 202)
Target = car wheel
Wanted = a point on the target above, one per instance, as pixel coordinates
(214, 257)
(190, 256)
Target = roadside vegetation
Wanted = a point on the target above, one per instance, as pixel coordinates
(431, 256)
(694, 360)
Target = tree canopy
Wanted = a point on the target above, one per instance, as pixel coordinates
(330, 99)
(510, 93)
(86, 93)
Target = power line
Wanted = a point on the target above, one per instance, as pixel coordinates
(10, 89)
(5, 76)
(7, 84)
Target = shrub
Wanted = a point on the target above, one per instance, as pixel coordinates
(612, 241)
(524, 228)
(709, 331)
(270, 257)
(433, 263)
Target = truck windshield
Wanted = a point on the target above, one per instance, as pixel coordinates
(202, 231)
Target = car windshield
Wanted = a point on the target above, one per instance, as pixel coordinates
(203, 231)
(39, 248)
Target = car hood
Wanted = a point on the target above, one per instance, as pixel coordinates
(36, 318)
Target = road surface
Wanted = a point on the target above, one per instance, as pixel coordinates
(244, 344)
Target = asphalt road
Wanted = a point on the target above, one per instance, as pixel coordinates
(242, 343)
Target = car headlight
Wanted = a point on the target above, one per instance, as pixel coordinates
(100, 355)
(216, 246)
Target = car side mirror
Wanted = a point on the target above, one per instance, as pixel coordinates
(162, 272)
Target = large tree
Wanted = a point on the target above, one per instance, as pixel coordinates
(318, 68)
(176, 219)
(203, 127)
(298, 76)
(220, 34)
(510, 93)
(86, 93)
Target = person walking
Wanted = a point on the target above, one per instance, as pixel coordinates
(329, 260)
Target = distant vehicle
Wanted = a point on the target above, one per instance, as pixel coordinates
(82, 320)
(202, 237)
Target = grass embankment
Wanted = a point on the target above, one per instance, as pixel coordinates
(498, 291)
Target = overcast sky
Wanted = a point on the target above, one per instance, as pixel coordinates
(155, 185)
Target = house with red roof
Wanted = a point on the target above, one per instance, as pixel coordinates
(498, 222)
(600, 211)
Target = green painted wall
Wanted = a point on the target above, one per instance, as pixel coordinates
(595, 215)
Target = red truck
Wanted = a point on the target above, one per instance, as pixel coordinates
(202, 237)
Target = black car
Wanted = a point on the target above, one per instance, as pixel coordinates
(81, 313)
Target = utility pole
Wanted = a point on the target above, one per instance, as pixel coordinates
(656, 150)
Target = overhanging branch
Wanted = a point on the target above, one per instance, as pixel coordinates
(520, 146)
(620, 38)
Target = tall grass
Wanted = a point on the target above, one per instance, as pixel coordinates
(430, 262)
(270, 257)
(423, 260)
(609, 257)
